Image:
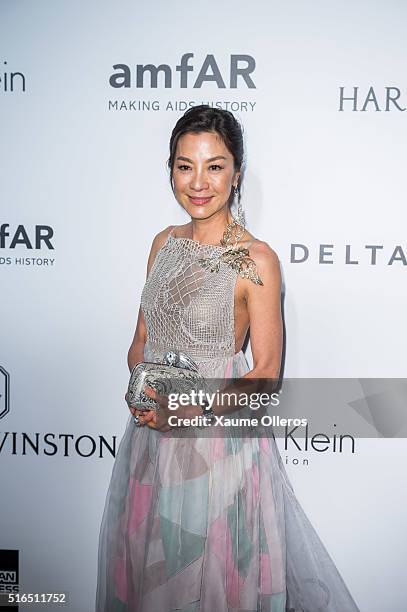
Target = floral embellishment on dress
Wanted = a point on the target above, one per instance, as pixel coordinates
(237, 257)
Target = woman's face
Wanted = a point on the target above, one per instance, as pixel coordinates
(203, 174)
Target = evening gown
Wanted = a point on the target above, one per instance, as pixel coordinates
(201, 524)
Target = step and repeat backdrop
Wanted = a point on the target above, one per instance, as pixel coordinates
(89, 94)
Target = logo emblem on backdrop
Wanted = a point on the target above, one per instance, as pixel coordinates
(17, 244)
(38, 237)
(349, 254)
(188, 76)
(11, 81)
(240, 69)
(385, 99)
(9, 573)
(4, 392)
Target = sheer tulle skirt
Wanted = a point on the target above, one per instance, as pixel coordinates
(209, 525)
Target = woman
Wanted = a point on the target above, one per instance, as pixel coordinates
(199, 523)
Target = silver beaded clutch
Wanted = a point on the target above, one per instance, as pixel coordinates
(176, 374)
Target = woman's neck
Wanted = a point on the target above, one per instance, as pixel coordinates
(210, 230)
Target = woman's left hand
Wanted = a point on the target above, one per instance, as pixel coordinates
(157, 419)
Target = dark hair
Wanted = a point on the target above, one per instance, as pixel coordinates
(205, 118)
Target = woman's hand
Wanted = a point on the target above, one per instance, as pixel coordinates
(157, 419)
(138, 412)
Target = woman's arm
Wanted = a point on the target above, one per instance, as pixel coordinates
(264, 308)
(136, 350)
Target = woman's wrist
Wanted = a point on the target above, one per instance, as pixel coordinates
(135, 355)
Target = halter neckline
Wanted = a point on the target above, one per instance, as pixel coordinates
(201, 244)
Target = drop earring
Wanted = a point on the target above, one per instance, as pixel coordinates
(240, 213)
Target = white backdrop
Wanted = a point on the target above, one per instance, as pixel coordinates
(316, 175)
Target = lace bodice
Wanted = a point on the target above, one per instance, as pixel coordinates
(187, 307)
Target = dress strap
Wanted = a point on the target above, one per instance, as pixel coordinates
(233, 257)
(170, 233)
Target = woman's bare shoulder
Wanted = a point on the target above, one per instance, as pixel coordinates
(181, 231)
(158, 241)
(160, 238)
(259, 249)
(178, 231)
(266, 259)
(262, 250)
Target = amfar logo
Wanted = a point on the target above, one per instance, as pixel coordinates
(39, 237)
(370, 101)
(4, 392)
(328, 254)
(41, 234)
(241, 66)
